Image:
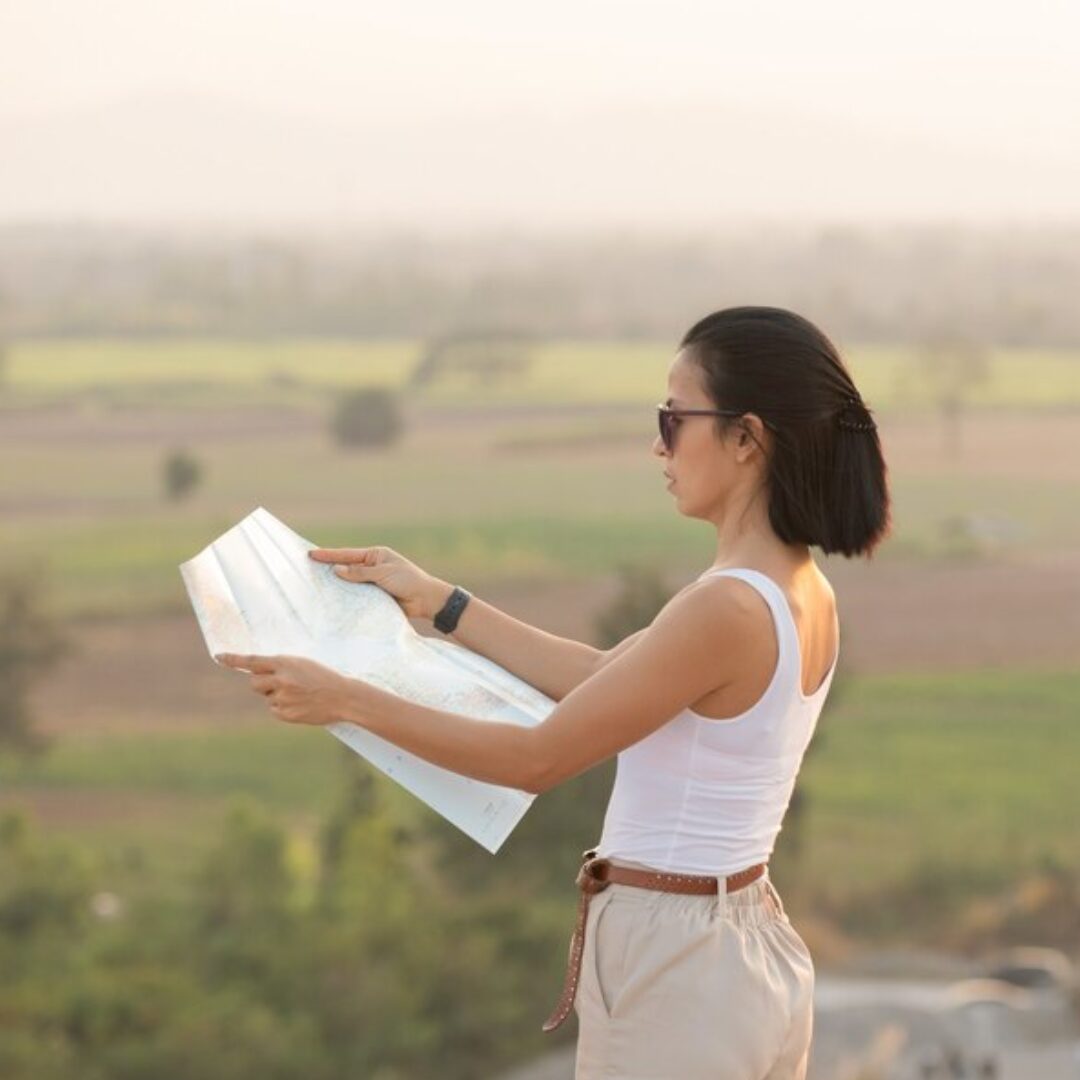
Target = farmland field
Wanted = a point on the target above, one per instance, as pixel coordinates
(212, 373)
(948, 737)
(972, 770)
(482, 496)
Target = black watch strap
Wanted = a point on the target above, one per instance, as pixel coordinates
(447, 619)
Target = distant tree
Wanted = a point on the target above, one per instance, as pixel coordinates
(244, 881)
(358, 799)
(246, 908)
(642, 593)
(487, 356)
(949, 366)
(182, 474)
(31, 642)
(45, 883)
(370, 416)
(954, 369)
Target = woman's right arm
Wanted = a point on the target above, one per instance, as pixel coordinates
(553, 664)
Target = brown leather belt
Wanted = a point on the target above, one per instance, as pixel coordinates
(595, 875)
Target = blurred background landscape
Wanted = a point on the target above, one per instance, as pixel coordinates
(387, 276)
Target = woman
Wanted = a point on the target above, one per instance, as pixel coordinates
(684, 963)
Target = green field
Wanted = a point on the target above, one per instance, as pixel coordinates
(300, 373)
(973, 767)
(95, 515)
(129, 565)
(974, 770)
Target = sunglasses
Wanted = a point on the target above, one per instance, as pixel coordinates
(669, 420)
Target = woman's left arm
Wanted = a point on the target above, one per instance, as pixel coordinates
(696, 643)
(489, 750)
(303, 691)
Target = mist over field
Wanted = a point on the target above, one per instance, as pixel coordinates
(642, 163)
(640, 115)
(905, 285)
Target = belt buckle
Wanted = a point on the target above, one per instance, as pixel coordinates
(588, 879)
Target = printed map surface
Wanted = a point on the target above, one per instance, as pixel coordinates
(255, 590)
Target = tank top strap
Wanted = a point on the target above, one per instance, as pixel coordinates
(788, 670)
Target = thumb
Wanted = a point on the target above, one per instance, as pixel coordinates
(351, 571)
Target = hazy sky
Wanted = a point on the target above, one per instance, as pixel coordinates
(996, 80)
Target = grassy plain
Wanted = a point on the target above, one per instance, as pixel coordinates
(127, 563)
(455, 497)
(551, 480)
(213, 373)
(970, 771)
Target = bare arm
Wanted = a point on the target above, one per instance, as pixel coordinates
(698, 642)
(695, 644)
(554, 665)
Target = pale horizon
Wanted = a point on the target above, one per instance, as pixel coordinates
(663, 116)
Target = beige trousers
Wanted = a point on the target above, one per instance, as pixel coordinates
(677, 987)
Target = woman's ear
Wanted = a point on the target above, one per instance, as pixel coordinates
(751, 433)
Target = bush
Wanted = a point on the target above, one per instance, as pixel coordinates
(31, 642)
(643, 592)
(182, 474)
(45, 884)
(370, 416)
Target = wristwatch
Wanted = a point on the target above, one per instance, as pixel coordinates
(447, 619)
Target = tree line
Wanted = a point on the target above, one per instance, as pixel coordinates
(900, 284)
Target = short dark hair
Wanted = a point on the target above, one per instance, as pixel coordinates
(826, 475)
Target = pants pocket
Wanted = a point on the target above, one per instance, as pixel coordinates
(800, 946)
(607, 954)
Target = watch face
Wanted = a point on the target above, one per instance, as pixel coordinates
(447, 619)
(454, 607)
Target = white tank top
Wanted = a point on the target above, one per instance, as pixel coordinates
(701, 796)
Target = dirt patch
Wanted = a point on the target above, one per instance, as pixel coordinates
(1016, 612)
(90, 809)
(1009, 612)
(1016, 443)
(94, 426)
(142, 674)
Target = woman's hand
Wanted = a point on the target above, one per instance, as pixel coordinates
(418, 593)
(298, 690)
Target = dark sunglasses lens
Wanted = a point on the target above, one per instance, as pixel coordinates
(665, 428)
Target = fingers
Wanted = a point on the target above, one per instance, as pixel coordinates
(343, 555)
(264, 684)
(260, 664)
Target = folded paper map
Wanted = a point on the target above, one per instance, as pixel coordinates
(255, 590)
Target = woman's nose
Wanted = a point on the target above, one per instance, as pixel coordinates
(658, 447)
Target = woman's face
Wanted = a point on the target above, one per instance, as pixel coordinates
(702, 466)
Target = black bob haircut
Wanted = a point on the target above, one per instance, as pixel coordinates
(826, 475)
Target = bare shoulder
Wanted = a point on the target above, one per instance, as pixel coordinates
(717, 610)
(728, 597)
(719, 620)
